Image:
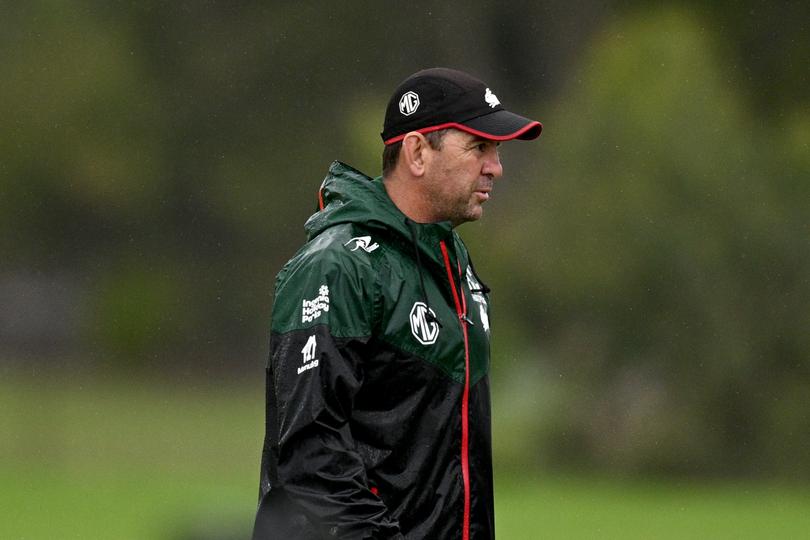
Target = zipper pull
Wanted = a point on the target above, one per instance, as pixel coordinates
(466, 319)
(430, 317)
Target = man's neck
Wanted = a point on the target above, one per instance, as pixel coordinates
(406, 195)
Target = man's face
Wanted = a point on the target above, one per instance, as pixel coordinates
(460, 176)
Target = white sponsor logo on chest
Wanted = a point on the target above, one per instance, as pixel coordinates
(423, 324)
(476, 289)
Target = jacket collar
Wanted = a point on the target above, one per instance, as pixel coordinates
(349, 196)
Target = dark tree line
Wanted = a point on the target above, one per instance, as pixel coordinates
(649, 256)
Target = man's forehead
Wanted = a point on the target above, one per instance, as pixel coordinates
(463, 136)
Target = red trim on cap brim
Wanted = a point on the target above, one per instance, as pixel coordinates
(462, 127)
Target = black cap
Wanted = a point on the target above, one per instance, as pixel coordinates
(439, 98)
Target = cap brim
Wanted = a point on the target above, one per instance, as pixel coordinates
(503, 125)
(499, 125)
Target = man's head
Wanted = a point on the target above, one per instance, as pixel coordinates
(442, 128)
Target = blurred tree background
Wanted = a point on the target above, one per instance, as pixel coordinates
(649, 255)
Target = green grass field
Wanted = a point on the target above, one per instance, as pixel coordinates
(161, 460)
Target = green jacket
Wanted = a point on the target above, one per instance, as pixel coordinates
(378, 412)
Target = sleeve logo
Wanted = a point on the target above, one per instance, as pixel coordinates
(308, 352)
(425, 331)
(312, 309)
(364, 243)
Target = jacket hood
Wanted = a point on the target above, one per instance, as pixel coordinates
(349, 196)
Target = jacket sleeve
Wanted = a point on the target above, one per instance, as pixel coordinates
(322, 321)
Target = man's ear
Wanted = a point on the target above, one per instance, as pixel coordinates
(414, 152)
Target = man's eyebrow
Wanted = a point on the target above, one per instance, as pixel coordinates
(476, 139)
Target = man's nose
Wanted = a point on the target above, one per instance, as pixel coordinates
(492, 166)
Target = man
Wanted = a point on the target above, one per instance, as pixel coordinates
(378, 414)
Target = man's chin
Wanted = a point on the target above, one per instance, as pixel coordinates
(470, 216)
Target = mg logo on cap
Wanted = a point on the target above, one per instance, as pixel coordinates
(408, 103)
(423, 330)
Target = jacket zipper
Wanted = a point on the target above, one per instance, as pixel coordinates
(461, 311)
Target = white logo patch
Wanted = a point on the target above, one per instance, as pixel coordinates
(484, 318)
(312, 309)
(425, 332)
(309, 355)
(475, 288)
(364, 243)
(491, 99)
(408, 103)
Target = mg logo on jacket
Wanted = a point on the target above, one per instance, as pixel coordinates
(423, 330)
